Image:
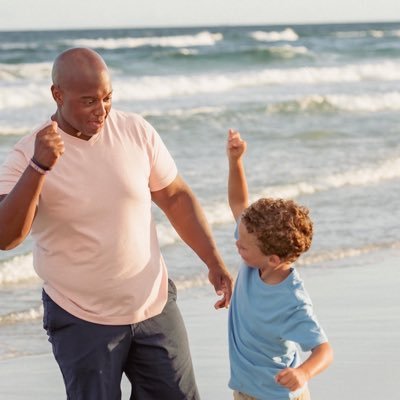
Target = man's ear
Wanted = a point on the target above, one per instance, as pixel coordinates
(57, 95)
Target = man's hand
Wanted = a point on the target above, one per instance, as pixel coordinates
(223, 283)
(49, 146)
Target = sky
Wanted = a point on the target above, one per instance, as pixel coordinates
(75, 14)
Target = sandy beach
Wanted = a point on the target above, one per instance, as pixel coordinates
(358, 306)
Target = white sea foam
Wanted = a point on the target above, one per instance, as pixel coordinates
(181, 112)
(17, 269)
(370, 175)
(22, 316)
(26, 95)
(166, 234)
(36, 93)
(14, 130)
(152, 87)
(288, 51)
(367, 102)
(29, 71)
(338, 254)
(220, 213)
(204, 38)
(287, 34)
(18, 46)
(376, 33)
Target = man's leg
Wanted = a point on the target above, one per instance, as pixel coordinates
(159, 364)
(90, 356)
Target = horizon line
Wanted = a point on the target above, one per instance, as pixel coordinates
(350, 22)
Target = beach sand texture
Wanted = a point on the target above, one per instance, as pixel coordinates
(358, 306)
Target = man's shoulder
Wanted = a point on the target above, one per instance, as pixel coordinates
(28, 140)
(130, 126)
(123, 117)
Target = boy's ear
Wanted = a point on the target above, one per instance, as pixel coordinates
(274, 260)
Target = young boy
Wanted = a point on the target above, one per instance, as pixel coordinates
(270, 313)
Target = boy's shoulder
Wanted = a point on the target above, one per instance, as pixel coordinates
(297, 293)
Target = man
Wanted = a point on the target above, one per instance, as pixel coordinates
(84, 183)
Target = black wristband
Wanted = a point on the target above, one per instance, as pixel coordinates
(41, 166)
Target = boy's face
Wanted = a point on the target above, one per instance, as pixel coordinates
(249, 249)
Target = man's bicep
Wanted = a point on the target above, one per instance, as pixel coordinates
(2, 197)
(167, 196)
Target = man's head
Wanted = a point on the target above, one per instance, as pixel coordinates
(82, 90)
(280, 227)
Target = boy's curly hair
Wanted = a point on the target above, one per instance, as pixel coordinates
(282, 227)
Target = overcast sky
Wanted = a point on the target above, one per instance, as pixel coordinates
(53, 14)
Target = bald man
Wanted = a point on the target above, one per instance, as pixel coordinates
(83, 185)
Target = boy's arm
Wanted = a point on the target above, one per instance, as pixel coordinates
(237, 183)
(295, 378)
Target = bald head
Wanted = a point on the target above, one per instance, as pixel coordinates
(77, 65)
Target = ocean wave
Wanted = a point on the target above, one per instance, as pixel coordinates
(19, 130)
(369, 175)
(338, 254)
(375, 33)
(204, 38)
(287, 34)
(17, 270)
(152, 87)
(181, 112)
(343, 102)
(288, 51)
(26, 71)
(126, 88)
(7, 46)
(25, 96)
(22, 316)
(219, 212)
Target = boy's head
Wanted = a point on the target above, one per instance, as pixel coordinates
(282, 227)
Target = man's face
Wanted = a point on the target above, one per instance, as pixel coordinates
(84, 104)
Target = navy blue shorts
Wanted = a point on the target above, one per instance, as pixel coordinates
(154, 354)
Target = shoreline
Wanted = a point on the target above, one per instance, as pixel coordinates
(358, 306)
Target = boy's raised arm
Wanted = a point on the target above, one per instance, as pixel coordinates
(237, 183)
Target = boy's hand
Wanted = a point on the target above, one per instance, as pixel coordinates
(292, 378)
(236, 146)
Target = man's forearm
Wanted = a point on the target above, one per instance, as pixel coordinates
(189, 221)
(18, 208)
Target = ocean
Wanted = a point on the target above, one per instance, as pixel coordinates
(319, 106)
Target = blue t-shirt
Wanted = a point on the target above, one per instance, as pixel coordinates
(266, 323)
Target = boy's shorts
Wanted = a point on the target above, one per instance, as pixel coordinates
(154, 355)
(305, 395)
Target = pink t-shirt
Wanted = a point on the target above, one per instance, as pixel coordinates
(95, 241)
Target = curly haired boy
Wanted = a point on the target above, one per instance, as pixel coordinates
(271, 313)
